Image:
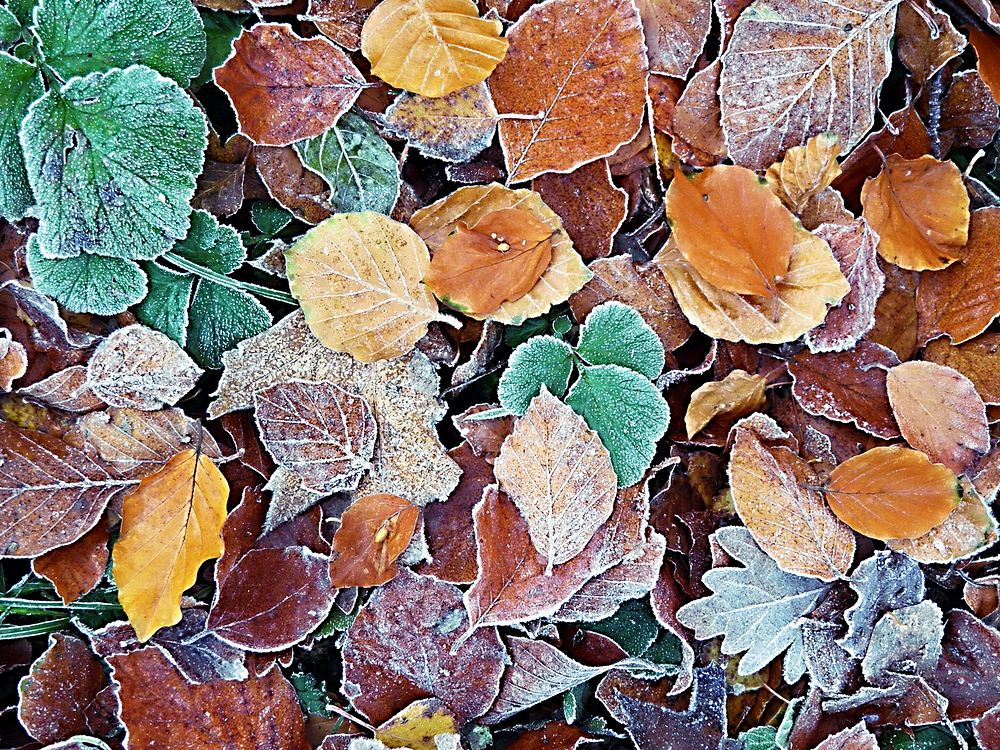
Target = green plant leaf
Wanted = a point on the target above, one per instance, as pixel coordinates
(221, 30)
(358, 165)
(543, 360)
(633, 627)
(10, 27)
(211, 244)
(112, 159)
(759, 738)
(22, 9)
(87, 36)
(165, 308)
(20, 85)
(269, 217)
(627, 411)
(220, 319)
(615, 334)
(87, 283)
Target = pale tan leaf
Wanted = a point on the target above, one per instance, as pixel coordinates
(454, 128)
(805, 171)
(968, 529)
(735, 396)
(65, 389)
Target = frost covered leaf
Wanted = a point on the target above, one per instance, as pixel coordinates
(627, 411)
(813, 282)
(583, 68)
(13, 360)
(559, 475)
(748, 256)
(500, 259)
(793, 69)
(469, 205)
(431, 47)
(220, 318)
(675, 33)
(417, 726)
(966, 672)
(175, 515)
(539, 361)
(920, 210)
(77, 568)
(127, 193)
(735, 396)
(285, 88)
(138, 367)
(453, 128)
(20, 85)
(319, 431)
(939, 412)
(298, 189)
(906, 640)
(357, 165)
(373, 533)
(773, 491)
(83, 36)
(853, 738)
(756, 608)
(406, 626)
(974, 359)
(340, 20)
(892, 493)
(616, 334)
(359, 278)
(805, 171)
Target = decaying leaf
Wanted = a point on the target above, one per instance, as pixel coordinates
(66, 389)
(805, 171)
(373, 533)
(735, 396)
(417, 726)
(884, 582)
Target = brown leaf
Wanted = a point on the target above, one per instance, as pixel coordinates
(976, 359)
(966, 672)
(557, 735)
(805, 171)
(939, 413)
(920, 210)
(407, 624)
(300, 190)
(987, 58)
(285, 88)
(221, 185)
(65, 389)
(483, 435)
(892, 493)
(13, 360)
(583, 68)
(697, 125)
(735, 396)
(927, 39)
(340, 20)
(675, 33)
(970, 116)
(77, 568)
(853, 738)
(373, 533)
(896, 312)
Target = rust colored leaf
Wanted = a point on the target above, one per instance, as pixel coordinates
(805, 171)
(970, 116)
(987, 58)
(939, 412)
(554, 736)
(853, 738)
(976, 359)
(920, 210)
(697, 126)
(731, 229)
(65, 389)
(300, 190)
(373, 533)
(675, 33)
(340, 20)
(968, 529)
(966, 672)
(285, 88)
(77, 568)
(13, 360)
(892, 493)
(735, 396)
(173, 518)
(583, 68)
(927, 40)
(896, 312)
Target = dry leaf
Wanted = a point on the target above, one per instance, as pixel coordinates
(735, 396)
(431, 47)
(939, 412)
(373, 533)
(303, 192)
(970, 116)
(805, 171)
(77, 568)
(340, 20)
(675, 33)
(223, 180)
(987, 58)
(417, 726)
(920, 210)
(697, 125)
(582, 67)
(66, 389)
(853, 738)
(892, 493)
(975, 359)
(359, 278)
(927, 40)
(968, 529)
(13, 360)
(171, 524)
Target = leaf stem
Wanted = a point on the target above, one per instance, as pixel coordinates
(10, 632)
(223, 280)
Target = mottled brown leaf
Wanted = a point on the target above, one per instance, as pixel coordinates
(675, 33)
(697, 125)
(970, 116)
(300, 190)
(340, 20)
(927, 39)
(976, 359)
(65, 389)
(373, 533)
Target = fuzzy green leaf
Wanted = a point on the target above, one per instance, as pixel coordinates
(166, 306)
(357, 164)
(759, 738)
(220, 319)
(20, 85)
(269, 217)
(10, 27)
(627, 411)
(22, 9)
(211, 244)
(112, 159)
(87, 36)
(615, 334)
(543, 360)
(221, 30)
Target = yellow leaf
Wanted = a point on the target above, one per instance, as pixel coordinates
(171, 524)
(358, 279)
(805, 171)
(735, 396)
(417, 725)
(431, 47)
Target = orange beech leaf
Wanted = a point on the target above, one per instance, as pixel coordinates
(497, 260)
(77, 568)
(373, 533)
(976, 360)
(919, 208)
(732, 229)
(987, 48)
(171, 524)
(805, 171)
(892, 493)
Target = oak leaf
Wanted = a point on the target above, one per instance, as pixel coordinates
(171, 524)
(892, 493)
(373, 533)
(805, 171)
(735, 396)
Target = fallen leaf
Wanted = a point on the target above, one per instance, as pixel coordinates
(885, 581)
(805, 171)
(968, 529)
(965, 673)
(939, 412)
(735, 396)
(340, 20)
(417, 726)
(892, 493)
(575, 75)
(697, 125)
(853, 738)
(285, 88)
(65, 389)
(13, 360)
(970, 116)
(920, 210)
(223, 180)
(975, 359)
(77, 568)
(553, 735)
(300, 190)
(675, 33)
(987, 58)
(927, 40)
(373, 533)
(174, 515)
(431, 47)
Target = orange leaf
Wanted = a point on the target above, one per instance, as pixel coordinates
(171, 524)
(497, 260)
(373, 532)
(892, 493)
(731, 228)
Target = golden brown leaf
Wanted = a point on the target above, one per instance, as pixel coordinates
(805, 171)
(987, 48)
(735, 396)
(967, 529)
(920, 210)
(373, 533)
(977, 360)
(171, 524)
(417, 725)
(892, 493)
(431, 47)
(731, 228)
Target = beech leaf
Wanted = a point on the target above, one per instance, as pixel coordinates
(735, 396)
(373, 533)
(805, 171)
(454, 128)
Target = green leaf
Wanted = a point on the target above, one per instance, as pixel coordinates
(633, 627)
(20, 85)
(87, 36)
(627, 411)
(10, 27)
(269, 217)
(543, 360)
(166, 306)
(615, 334)
(112, 159)
(221, 30)
(926, 738)
(759, 738)
(517, 335)
(312, 693)
(87, 283)
(22, 9)
(220, 319)
(357, 164)
(211, 244)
